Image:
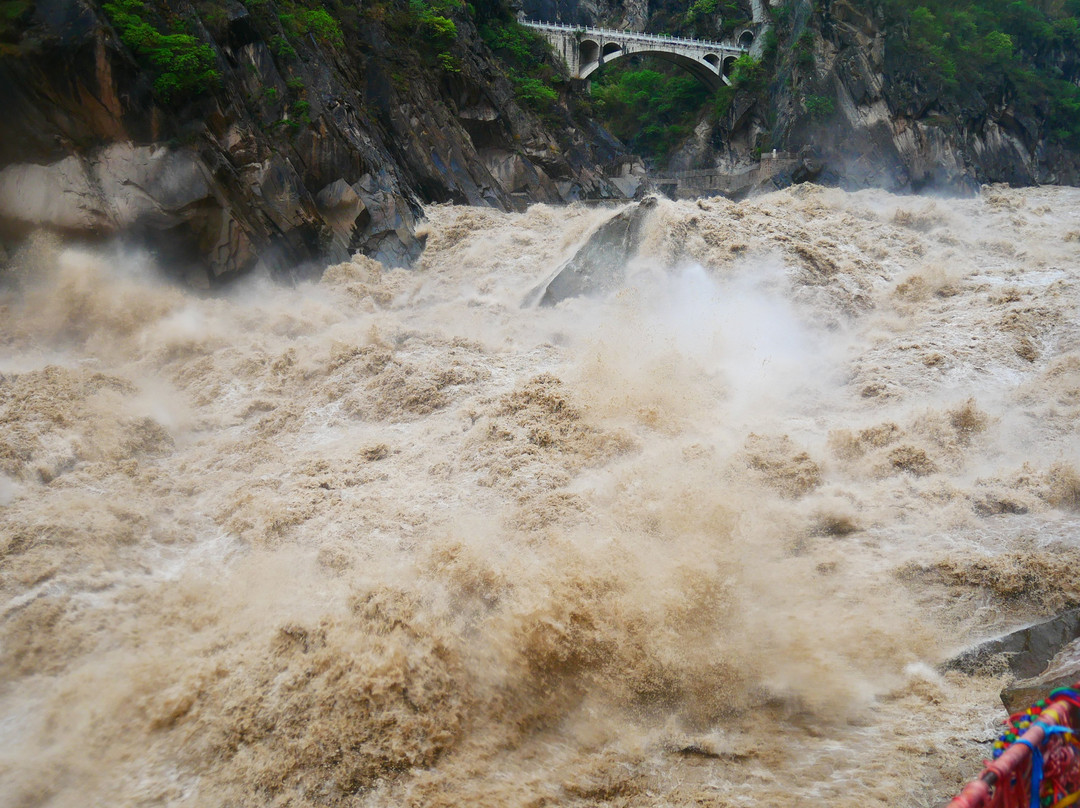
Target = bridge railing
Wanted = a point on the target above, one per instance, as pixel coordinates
(634, 36)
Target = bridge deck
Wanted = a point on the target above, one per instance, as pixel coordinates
(631, 36)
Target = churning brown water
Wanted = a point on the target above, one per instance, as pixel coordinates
(392, 540)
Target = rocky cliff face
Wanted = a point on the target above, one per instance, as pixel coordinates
(304, 150)
(889, 132)
(840, 92)
(875, 126)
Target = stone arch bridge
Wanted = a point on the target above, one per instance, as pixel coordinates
(586, 50)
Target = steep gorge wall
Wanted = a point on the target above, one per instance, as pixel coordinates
(877, 123)
(305, 151)
(840, 87)
(891, 131)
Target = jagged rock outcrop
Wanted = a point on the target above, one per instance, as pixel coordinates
(1041, 657)
(304, 151)
(599, 266)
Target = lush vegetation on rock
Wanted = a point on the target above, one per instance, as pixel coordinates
(181, 63)
(529, 60)
(432, 24)
(704, 19)
(967, 55)
(317, 22)
(652, 108)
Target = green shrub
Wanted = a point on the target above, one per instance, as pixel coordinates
(523, 48)
(722, 102)
(13, 14)
(432, 19)
(748, 73)
(428, 25)
(184, 66)
(215, 17)
(528, 58)
(771, 46)
(449, 63)
(321, 25)
(1063, 122)
(535, 94)
(701, 8)
(698, 15)
(819, 106)
(804, 50)
(301, 111)
(440, 30)
(298, 20)
(782, 15)
(280, 46)
(998, 46)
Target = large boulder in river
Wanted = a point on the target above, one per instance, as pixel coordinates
(599, 267)
(389, 233)
(1041, 657)
(1026, 651)
(1063, 671)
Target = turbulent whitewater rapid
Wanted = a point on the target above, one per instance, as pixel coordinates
(391, 539)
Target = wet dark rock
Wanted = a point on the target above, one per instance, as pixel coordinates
(292, 161)
(599, 266)
(1026, 651)
(341, 207)
(1063, 671)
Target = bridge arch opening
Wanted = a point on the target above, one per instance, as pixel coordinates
(628, 88)
(700, 70)
(588, 52)
(746, 39)
(611, 47)
(712, 59)
(729, 65)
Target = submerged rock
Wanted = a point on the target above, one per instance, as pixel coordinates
(600, 265)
